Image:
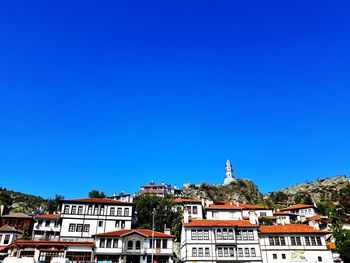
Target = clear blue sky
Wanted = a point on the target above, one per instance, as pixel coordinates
(109, 95)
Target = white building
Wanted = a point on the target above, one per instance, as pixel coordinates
(219, 241)
(302, 210)
(235, 211)
(122, 196)
(293, 243)
(134, 246)
(83, 218)
(47, 227)
(193, 206)
(7, 236)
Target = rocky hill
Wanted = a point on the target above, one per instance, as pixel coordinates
(320, 190)
(242, 190)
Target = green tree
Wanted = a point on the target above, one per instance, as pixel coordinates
(53, 204)
(279, 197)
(341, 235)
(165, 215)
(96, 194)
(344, 198)
(6, 200)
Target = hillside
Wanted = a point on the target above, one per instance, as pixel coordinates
(321, 190)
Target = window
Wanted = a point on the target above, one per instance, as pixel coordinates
(244, 234)
(313, 241)
(102, 210)
(102, 242)
(194, 252)
(80, 210)
(7, 239)
(207, 254)
(298, 241)
(283, 256)
(319, 258)
(117, 223)
(193, 234)
(119, 211)
(250, 235)
(230, 234)
(130, 244)
(240, 252)
(95, 210)
(79, 227)
(86, 228)
(122, 223)
(126, 212)
(274, 256)
(246, 252)
(112, 211)
(262, 213)
(194, 211)
(292, 241)
(66, 209)
(276, 241)
(200, 252)
(115, 243)
(189, 209)
(252, 252)
(225, 251)
(206, 234)
(74, 209)
(231, 252)
(100, 223)
(40, 222)
(90, 209)
(307, 241)
(47, 223)
(165, 243)
(215, 214)
(282, 241)
(220, 254)
(318, 240)
(109, 243)
(238, 234)
(158, 243)
(224, 234)
(218, 234)
(71, 228)
(200, 235)
(138, 244)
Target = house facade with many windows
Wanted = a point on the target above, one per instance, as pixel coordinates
(293, 243)
(47, 227)
(134, 246)
(219, 241)
(83, 218)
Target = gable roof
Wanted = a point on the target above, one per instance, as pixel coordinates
(143, 232)
(296, 207)
(291, 228)
(234, 206)
(180, 200)
(219, 223)
(281, 213)
(48, 216)
(317, 218)
(96, 201)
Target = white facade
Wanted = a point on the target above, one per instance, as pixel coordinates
(194, 207)
(47, 227)
(302, 210)
(134, 246)
(7, 236)
(220, 241)
(293, 243)
(83, 218)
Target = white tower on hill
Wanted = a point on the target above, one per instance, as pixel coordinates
(228, 170)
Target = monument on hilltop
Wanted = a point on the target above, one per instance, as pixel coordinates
(228, 171)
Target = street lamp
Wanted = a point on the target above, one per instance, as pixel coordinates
(153, 212)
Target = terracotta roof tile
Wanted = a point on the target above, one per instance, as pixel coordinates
(317, 218)
(295, 207)
(96, 201)
(48, 216)
(228, 205)
(291, 228)
(145, 232)
(210, 223)
(187, 201)
(281, 213)
(331, 245)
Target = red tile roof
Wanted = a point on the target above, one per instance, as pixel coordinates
(48, 216)
(331, 245)
(317, 218)
(96, 201)
(281, 213)
(219, 223)
(17, 215)
(233, 206)
(9, 229)
(291, 228)
(152, 191)
(51, 243)
(295, 207)
(144, 232)
(187, 201)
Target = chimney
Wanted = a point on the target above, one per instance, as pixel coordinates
(167, 230)
(186, 216)
(237, 203)
(253, 218)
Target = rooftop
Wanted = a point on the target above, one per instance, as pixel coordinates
(219, 223)
(297, 206)
(144, 232)
(291, 228)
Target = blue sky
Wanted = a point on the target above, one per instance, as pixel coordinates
(110, 95)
